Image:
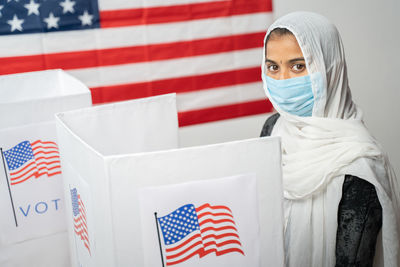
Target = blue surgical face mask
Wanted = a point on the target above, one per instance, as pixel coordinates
(294, 95)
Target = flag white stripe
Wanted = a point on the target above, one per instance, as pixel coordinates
(192, 250)
(157, 70)
(216, 218)
(221, 239)
(214, 210)
(21, 167)
(221, 96)
(225, 247)
(195, 240)
(209, 247)
(47, 165)
(71, 41)
(40, 145)
(123, 4)
(217, 228)
(25, 174)
(46, 156)
(211, 235)
(45, 168)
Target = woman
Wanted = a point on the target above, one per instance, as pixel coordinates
(339, 188)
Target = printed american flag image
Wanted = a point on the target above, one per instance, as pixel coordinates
(80, 222)
(207, 51)
(27, 160)
(190, 231)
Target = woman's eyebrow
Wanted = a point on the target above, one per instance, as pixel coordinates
(270, 61)
(296, 59)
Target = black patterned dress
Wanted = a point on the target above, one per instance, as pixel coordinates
(359, 217)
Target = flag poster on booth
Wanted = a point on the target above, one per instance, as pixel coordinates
(203, 223)
(81, 219)
(30, 183)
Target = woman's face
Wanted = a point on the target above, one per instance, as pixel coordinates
(283, 59)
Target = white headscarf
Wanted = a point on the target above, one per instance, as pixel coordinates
(331, 143)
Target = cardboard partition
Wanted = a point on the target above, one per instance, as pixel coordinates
(137, 199)
(33, 229)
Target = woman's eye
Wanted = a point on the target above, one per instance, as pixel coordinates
(272, 68)
(298, 67)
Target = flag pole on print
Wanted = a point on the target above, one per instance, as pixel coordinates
(79, 218)
(189, 231)
(9, 189)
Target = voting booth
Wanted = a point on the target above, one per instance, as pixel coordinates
(134, 198)
(32, 222)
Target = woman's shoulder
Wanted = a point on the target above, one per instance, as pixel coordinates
(269, 125)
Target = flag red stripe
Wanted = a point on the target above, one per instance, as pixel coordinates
(44, 147)
(122, 92)
(222, 244)
(47, 171)
(46, 142)
(207, 205)
(203, 253)
(22, 170)
(82, 234)
(169, 257)
(177, 13)
(13, 178)
(185, 258)
(222, 252)
(80, 226)
(213, 214)
(216, 221)
(30, 176)
(221, 236)
(133, 54)
(45, 152)
(83, 213)
(218, 228)
(82, 208)
(225, 112)
(49, 163)
(53, 157)
(50, 169)
(54, 173)
(87, 246)
(80, 223)
(183, 244)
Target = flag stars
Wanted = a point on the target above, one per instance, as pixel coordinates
(16, 24)
(68, 6)
(33, 8)
(86, 18)
(52, 22)
(1, 7)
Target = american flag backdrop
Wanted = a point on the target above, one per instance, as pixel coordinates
(80, 222)
(27, 160)
(208, 51)
(190, 231)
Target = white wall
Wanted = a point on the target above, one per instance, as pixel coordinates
(370, 31)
